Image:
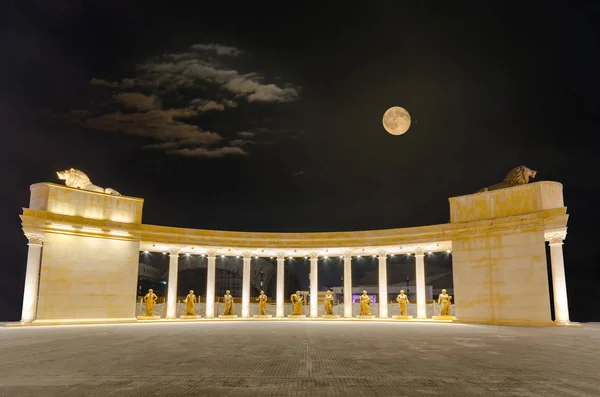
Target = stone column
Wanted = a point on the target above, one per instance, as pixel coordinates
(210, 284)
(383, 294)
(559, 283)
(314, 285)
(32, 277)
(172, 290)
(280, 283)
(347, 285)
(246, 286)
(420, 281)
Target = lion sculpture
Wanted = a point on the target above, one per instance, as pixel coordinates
(517, 176)
(79, 180)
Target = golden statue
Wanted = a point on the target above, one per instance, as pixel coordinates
(189, 303)
(297, 301)
(262, 303)
(150, 300)
(444, 301)
(365, 302)
(328, 303)
(402, 300)
(228, 300)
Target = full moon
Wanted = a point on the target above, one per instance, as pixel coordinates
(396, 120)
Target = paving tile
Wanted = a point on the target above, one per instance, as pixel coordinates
(299, 359)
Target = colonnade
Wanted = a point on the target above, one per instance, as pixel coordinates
(314, 284)
(35, 250)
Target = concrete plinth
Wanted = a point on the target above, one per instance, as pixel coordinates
(229, 317)
(146, 318)
(444, 318)
(402, 317)
(262, 316)
(330, 316)
(189, 317)
(364, 317)
(296, 316)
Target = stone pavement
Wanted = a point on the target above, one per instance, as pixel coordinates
(299, 358)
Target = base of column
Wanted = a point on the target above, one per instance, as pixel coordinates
(262, 316)
(402, 317)
(296, 316)
(330, 316)
(444, 318)
(365, 317)
(228, 316)
(189, 317)
(567, 324)
(145, 318)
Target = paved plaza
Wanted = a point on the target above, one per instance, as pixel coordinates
(299, 358)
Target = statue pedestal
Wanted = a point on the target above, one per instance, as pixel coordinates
(189, 317)
(444, 318)
(330, 316)
(402, 317)
(296, 316)
(262, 316)
(365, 317)
(228, 316)
(143, 318)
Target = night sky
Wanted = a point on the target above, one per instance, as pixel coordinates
(268, 118)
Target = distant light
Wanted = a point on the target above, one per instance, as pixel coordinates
(145, 252)
(222, 256)
(429, 253)
(408, 253)
(187, 254)
(203, 255)
(306, 257)
(325, 257)
(391, 255)
(91, 229)
(341, 256)
(449, 251)
(64, 227)
(164, 253)
(270, 257)
(119, 233)
(237, 256)
(374, 256)
(256, 257)
(290, 258)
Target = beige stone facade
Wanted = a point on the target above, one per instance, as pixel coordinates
(87, 265)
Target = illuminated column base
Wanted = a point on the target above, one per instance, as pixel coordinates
(347, 285)
(210, 285)
(420, 281)
(172, 289)
(32, 277)
(559, 284)
(246, 286)
(383, 294)
(314, 286)
(280, 284)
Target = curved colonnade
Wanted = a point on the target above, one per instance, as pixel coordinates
(85, 244)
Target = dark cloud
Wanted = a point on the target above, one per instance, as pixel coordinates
(137, 101)
(219, 49)
(211, 153)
